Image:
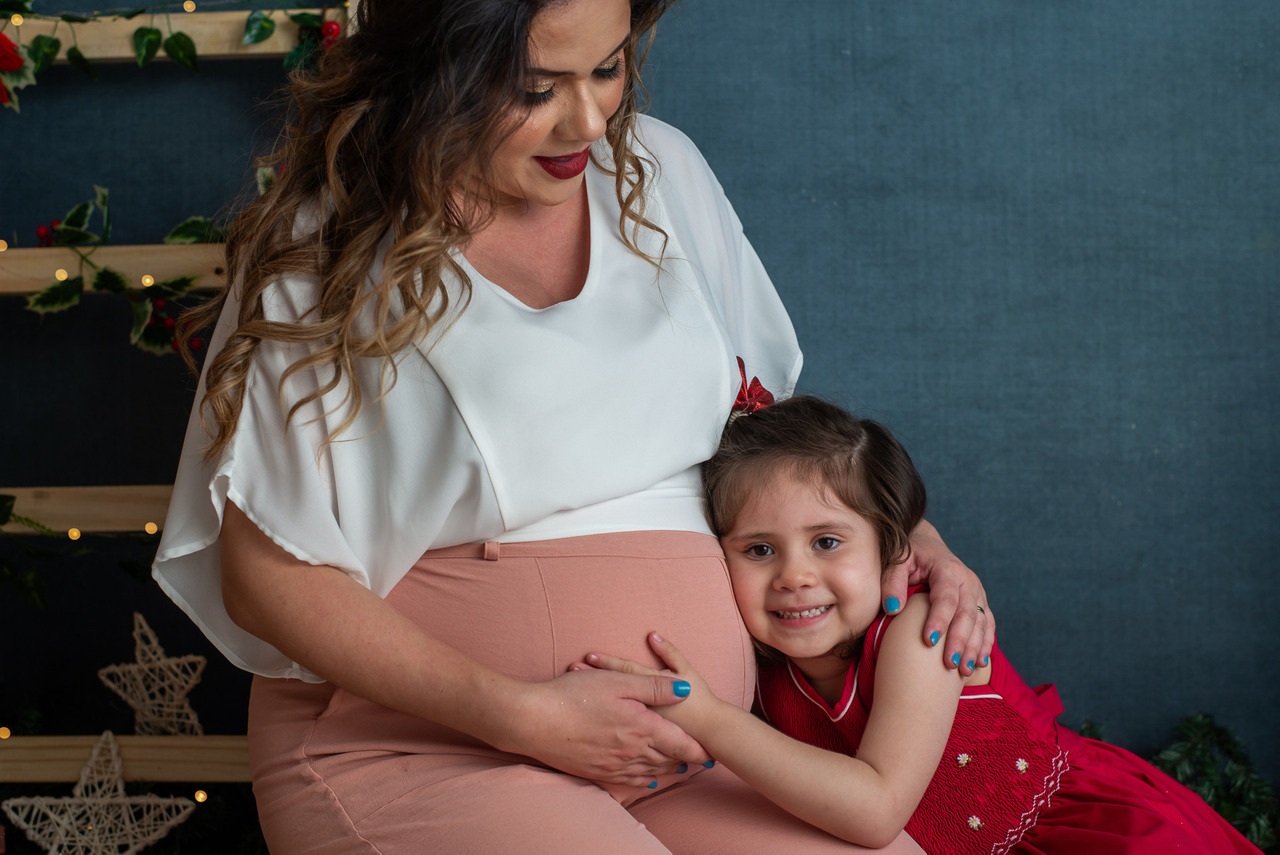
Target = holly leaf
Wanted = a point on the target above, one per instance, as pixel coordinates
(146, 43)
(11, 7)
(142, 310)
(78, 217)
(303, 53)
(43, 50)
(155, 339)
(258, 28)
(78, 59)
(6, 508)
(192, 230)
(100, 199)
(66, 236)
(173, 287)
(75, 19)
(111, 281)
(58, 296)
(133, 13)
(179, 48)
(306, 20)
(266, 177)
(26, 582)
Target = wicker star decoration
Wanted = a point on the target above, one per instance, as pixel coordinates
(156, 686)
(99, 818)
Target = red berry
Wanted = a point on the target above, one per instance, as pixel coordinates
(168, 323)
(197, 343)
(53, 224)
(328, 42)
(42, 232)
(158, 302)
(330, 29)
(174, 344)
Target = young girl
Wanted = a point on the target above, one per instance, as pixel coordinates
(812, 506)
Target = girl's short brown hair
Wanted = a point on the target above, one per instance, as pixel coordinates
(857, 460)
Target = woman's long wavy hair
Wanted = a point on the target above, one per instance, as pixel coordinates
(401, 114)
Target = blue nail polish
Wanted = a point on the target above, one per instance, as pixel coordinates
(682, 768)
(933, 638)
(653, 785)
(986, 660)
(970, 664)
(892, 605)
(708, 764)
(955, 659)
(681, 688)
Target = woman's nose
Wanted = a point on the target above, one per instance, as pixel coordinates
(584, 120)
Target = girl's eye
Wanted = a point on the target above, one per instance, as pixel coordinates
(826, 543)
(759, 550)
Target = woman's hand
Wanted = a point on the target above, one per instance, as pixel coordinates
(958, 607)
(597, 724)
(689, 713)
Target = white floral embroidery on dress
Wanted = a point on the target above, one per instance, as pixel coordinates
(975, 823)
(963, 760)
(1022, 766)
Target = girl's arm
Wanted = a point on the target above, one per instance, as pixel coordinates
(865, 799)
(579, 723)
(959, 612)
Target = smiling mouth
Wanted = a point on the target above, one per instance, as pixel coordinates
(807, 613)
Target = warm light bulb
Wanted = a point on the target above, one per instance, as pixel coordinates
(16, 20)
(189, 6)
(5, 733)
(60, 275)
(3, 246)
(201, 795)
(148, 281)
(73, 533)
(151, 528)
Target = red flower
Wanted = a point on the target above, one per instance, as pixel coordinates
(10, 59)
(752, 396)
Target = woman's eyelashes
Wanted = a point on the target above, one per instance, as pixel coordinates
(541, 93)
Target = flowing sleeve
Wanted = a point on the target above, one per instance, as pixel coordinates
(756, 322)
(369, 503)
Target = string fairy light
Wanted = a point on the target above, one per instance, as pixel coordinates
(73, 533)
(3, 246)
(16, 19)
(148, 280)
(151, 528)
(60, 275)
(200, 796)
(189, 6)
(5, 733)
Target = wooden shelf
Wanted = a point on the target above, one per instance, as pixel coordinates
(90, 509)
(216, 35)
(199, 759)
(24, 271)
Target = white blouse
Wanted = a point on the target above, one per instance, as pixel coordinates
(589, 416)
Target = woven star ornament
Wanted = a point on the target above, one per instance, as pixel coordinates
(99, 818)
(156, 686)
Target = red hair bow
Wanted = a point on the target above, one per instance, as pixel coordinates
(752, 396)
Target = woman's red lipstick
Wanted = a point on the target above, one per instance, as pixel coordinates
(566, 167)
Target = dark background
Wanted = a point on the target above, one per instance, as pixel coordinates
(1040, 241)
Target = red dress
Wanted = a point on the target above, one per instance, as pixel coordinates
(1011, 778)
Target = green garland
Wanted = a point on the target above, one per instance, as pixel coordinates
(17, 71)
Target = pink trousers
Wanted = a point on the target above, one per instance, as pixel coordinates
(334, 773)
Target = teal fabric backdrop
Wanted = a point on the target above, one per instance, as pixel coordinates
(1040, 240)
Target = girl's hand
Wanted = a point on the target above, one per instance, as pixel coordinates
(598, 725)
(958, 608)
(687, 714)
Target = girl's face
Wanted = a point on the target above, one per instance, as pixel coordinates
(805, 571)
(575, 84)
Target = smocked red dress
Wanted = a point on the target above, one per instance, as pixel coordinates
(1011, 778)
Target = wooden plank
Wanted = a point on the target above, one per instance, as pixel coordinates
(216, 35)
(23, 271)
(90, 509)
(200, 759)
